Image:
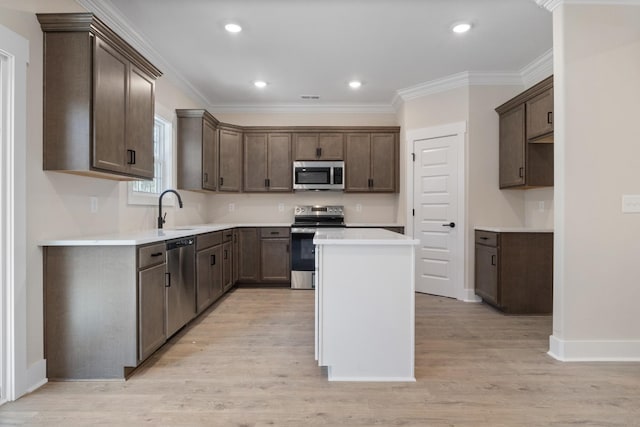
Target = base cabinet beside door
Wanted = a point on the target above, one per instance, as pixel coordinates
(514, 271)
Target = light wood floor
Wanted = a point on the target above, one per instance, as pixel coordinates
(249, 362)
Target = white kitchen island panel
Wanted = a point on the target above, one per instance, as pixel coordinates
(365, 299)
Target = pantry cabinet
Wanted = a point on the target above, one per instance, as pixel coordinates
(98, 100)
(526, 138)
(371, 162)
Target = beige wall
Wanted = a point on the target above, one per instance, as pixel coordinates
(597, 58)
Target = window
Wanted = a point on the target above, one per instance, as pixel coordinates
(147, 192)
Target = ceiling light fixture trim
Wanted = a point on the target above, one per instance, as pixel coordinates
(260, 84)
(461, 27)
(355, 84)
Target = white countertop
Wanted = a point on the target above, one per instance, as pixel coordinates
(514, 229)
(361, 236)
(143, 237)
(374, 225)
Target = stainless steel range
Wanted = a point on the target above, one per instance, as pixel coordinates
(307, 219)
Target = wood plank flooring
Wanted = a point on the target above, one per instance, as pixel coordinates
(249, 362)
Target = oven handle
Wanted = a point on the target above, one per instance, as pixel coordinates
(303, 230)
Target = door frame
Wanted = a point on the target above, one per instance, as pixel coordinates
(459, 131)
(14, 56)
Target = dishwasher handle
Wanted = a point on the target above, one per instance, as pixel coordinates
(167, 280)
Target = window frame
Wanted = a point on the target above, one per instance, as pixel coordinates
(149, 199)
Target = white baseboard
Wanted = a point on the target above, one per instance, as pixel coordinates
(36, 377)
(469, 295)
(594, 350)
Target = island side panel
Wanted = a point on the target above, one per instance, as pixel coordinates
(90, 311)
(367, 312)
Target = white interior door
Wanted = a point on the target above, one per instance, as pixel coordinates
(437, 220)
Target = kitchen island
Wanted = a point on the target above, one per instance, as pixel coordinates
(364, 307)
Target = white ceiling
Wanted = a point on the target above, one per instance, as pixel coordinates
(315, 47)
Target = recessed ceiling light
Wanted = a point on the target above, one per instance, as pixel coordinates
(233, 28)
(355, 84)
(462, 27)
(260, 83)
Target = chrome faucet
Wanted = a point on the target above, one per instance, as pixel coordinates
(161, 219)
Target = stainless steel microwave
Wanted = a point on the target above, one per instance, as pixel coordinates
(318, 175)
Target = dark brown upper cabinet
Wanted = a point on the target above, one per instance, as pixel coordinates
(318, 146)
(98, 100)
(267, 162)
(197, 150)
(230, 159)
(371, 162)
(526, 138)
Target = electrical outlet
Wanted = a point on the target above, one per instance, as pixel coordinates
(280, 207)
(93, 204)
(358, 207)
(630, 203)
(232, 207)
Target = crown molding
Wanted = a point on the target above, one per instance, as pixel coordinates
(119, 24)
(455, 81)
(551, 5)
(304, 109)
(538, 69)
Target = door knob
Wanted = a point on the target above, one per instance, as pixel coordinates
(451, 224)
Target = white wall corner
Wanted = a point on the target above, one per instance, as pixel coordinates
(538, 69)
(594, 350)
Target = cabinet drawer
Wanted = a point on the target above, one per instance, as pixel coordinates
(227, 235)
(274, 232)
(208, 240)
(487, 238)
(151, 255)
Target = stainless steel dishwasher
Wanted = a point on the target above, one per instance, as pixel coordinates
(180, 283)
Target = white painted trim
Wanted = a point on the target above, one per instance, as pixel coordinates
(452, 129)
(454, 81)
(551, 5)
(594, 350)
(16, 379)
(538, 69)
(469, 295)
(301, 108)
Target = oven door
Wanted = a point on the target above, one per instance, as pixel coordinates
(303, 258)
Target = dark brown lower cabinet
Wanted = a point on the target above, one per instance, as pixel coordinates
(514, 271)
(263, 255)
(248, 255)
(208, 269)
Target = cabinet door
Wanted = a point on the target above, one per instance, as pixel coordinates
(279, 162)
(331, 146)
(151, 306)
(209, 147)
(275, 260)
(357, 163)
(230, 163)
(227, 266)
(540, 114)
(109, 150)
(248, 255)
(205, 260)
(305, 146)
(236, 256)
(486, 272)
(255, 162)
(216, 273)
(140, 123)
(383, 162)
(512, 145)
